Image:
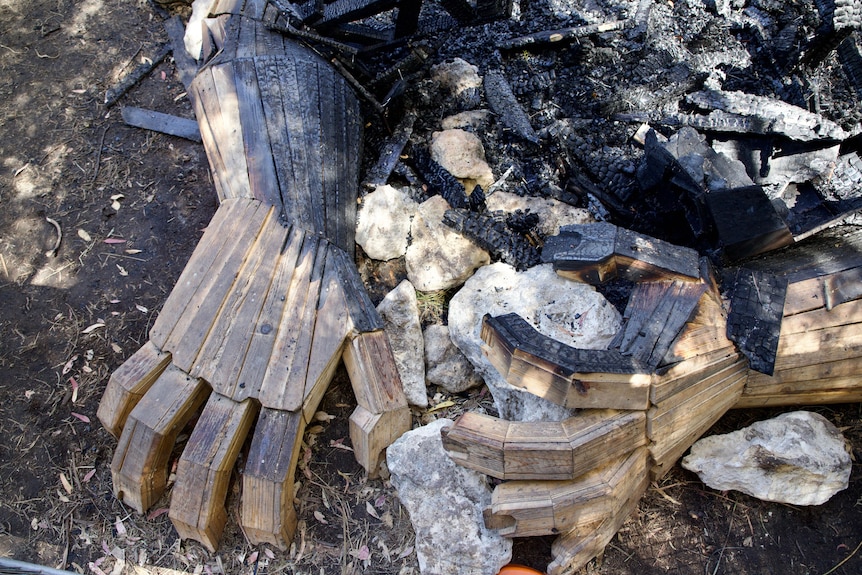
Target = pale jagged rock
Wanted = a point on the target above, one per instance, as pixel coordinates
(438, 257)
(193, 38)
(445, 365)
(461, 154)
(798, 458)
(400, 313)
(445, 502)
(457, 76)
(552, 213)
(571, 312)
(383, 224)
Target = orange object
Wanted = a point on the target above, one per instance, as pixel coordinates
(513, 569)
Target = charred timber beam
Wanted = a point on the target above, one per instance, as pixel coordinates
(595, 253)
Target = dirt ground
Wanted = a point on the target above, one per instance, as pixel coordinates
(131, 206)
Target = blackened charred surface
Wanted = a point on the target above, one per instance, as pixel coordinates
(754, 318)
(491, 232)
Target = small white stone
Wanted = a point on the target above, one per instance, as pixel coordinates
(400, 313)
(552, 213)
(462, 154)
(445, 365)
(383, 223)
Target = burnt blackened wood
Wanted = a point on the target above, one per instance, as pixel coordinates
(390, 152)
(656, 314)
(460, 10)
(746, 223)
(492, 234)
(851, 63)
(137, 74)
(771, 116)
(342, 11)
(545, 37)
(440, 181)
(754, 319)
(187, 67)
(595, 253)
(516, 334)
(503, 102)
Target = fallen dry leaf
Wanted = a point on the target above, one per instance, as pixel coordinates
(114, 241)
(66, 484)
(74, 385)
(91, 328)
(68, 367)
(141, 308)
(371, 511)
(84, 235)
(319, 516)
(123, 271)
(82, 417)
(89, 475)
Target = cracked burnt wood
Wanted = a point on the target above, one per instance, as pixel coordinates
(595, 253)
(820, 342)
(269, 302)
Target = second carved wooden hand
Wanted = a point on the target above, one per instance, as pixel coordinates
(269, 303)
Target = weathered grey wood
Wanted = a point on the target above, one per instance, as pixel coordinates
(163, 123)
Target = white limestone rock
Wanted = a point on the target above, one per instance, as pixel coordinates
(571, 312)
(552, 213)
(457, 76)
(400, 313)
(470, 119)
(383, 223)
(798, 458)
(445, 502)
(193, 38)
(439, 258)
(462, 154)
(445, 365)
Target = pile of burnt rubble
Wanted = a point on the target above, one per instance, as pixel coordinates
(729, 126)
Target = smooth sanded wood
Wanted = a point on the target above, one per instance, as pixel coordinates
(139, 467)
(204, 469)
(268, 514)
(128, 384)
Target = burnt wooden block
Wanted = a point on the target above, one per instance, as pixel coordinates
(595, 253)
(746, 223)
(754, 320)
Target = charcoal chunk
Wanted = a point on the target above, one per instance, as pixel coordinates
(490, 232)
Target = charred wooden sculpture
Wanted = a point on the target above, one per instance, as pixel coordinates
(269, 302)
(790, 337)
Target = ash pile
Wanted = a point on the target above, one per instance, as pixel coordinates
(727, 126)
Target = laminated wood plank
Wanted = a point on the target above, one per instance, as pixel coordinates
(671, 407)
(803, 377)
(204, 469)
(363, 314)
(222, 353)
(844, 314)
(202, 93)
(477, 441)
(688, 372)
(686, 408)
(599, 435)
(581, 390)
(255, 135)
(270, 320)
(534, 508)
(332, 327)
(268, 514)
(822, 345)
(692, 420)
(163, 123)
(269, 73)
(211, 249)
(227, 130)
(824, 291)
(139, 466)
(693, 340)
(128, 384)
(540, 446)
(574, 549)
(195, 322)
(843, 390)
(246, 47)
(284, 381)
(373, 375)
(371, 433)
(309, 74)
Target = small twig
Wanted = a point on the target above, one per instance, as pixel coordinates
(99, 154)
(845, 560)
(53, 251)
